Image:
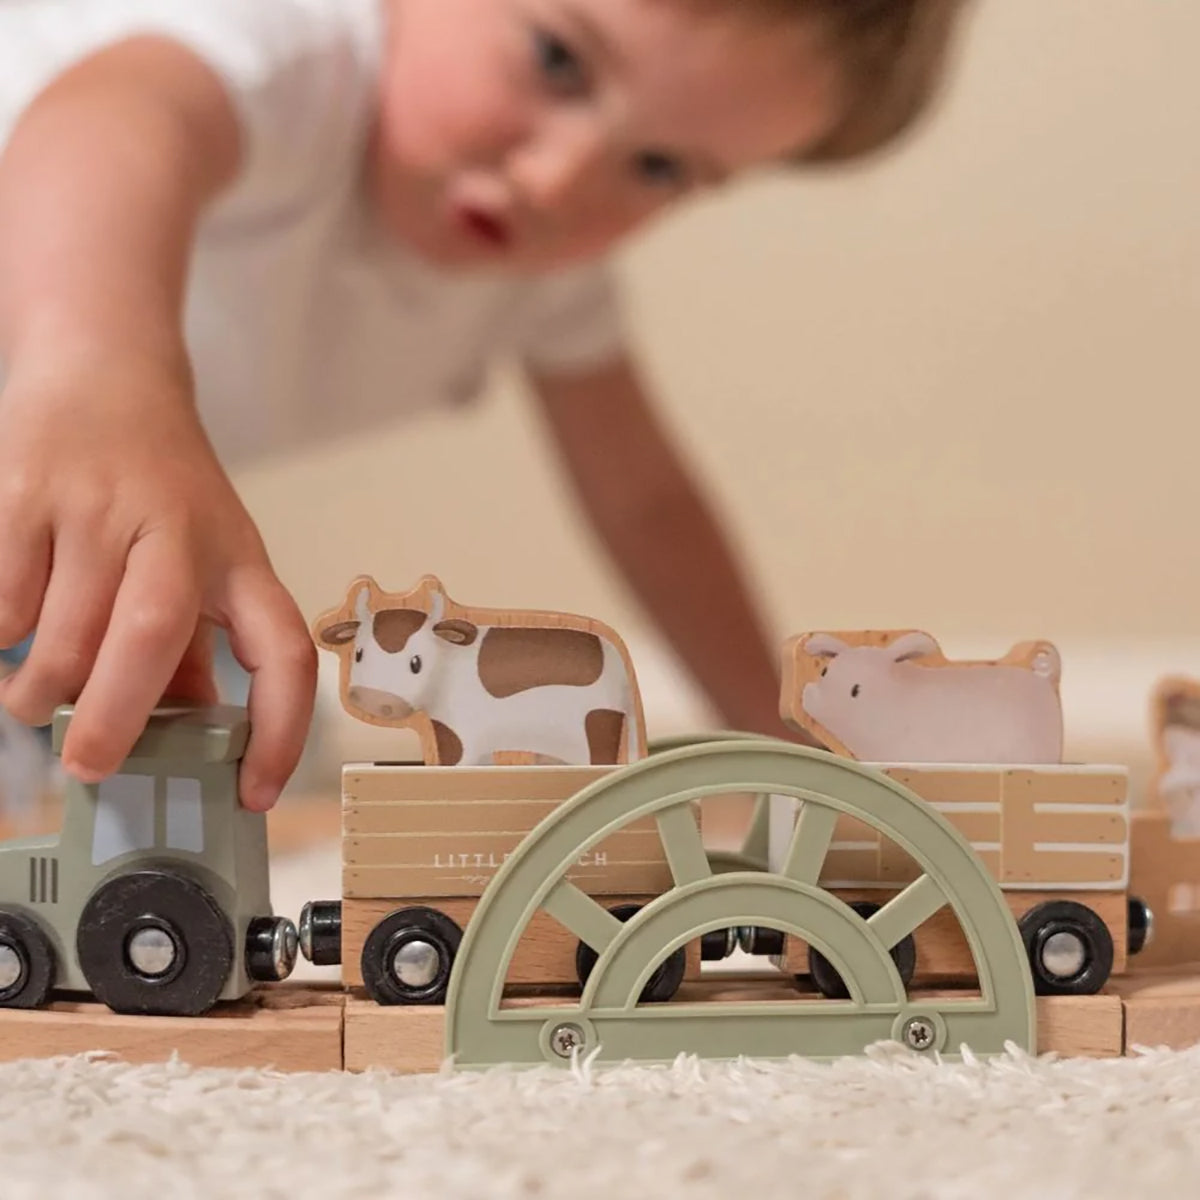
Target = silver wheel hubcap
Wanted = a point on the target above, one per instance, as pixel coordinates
(284, 944)
(1064, 955)
(416, 964)
(11, 968)
(151, 952)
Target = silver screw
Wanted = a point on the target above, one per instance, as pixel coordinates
(919, 1033)
(565, 1039)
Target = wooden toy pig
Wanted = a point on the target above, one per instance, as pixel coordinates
(894, 697)
(485, 685)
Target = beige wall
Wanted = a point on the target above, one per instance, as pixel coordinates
(958, 391)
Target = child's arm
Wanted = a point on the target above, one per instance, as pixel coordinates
(121, 536)
(654, 521)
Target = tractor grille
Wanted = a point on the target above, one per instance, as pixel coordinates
(43, 881)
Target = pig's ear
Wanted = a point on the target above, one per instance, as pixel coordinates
(912, 645)
(1047, 663)
(824, 645)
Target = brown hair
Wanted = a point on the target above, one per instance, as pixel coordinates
(891, 56)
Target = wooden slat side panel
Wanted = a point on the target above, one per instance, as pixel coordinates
(483, 850)
(435, 816)
(1082, 785)
(1044, 842)
(383, 783)
(595, 879)
(949, 785)
(1085, 828)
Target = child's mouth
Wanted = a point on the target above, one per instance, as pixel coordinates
(484, 227)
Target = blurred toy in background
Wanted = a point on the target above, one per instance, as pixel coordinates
(893, 696)
(1175, 729)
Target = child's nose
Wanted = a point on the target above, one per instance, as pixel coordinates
(554, 171)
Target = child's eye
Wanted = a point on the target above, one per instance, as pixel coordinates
(659, 169)
(558, 64)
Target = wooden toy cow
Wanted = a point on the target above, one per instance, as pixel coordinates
(485, 685)
(894, 697)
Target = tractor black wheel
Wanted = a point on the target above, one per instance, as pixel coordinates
(667, 977)
(1070, 949)
(154, 942)
(408, 956)
(26, 961)
(825, 976)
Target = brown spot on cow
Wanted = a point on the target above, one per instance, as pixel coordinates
(604, 727)
(394, 626)
(449, 745)
(514, 660)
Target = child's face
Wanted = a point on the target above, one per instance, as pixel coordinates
(533, 133)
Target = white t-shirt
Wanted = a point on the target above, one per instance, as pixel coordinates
(303, 319)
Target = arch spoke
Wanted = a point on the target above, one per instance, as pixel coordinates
(588, 920)
(683, 844)
(810, 842)
(903, 914)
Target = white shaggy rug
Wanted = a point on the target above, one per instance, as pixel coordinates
(887, 1125)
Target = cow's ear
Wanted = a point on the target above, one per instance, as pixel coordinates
(460, 633)
(339, 634)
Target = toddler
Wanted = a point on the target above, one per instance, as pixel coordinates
(231, 227)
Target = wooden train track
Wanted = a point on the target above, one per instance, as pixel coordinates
(293, 1027)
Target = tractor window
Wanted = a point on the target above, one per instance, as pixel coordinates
(124, 816)
(185, 815)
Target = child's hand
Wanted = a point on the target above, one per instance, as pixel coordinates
(122, 540)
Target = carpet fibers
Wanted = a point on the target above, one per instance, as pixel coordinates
(884, 1125)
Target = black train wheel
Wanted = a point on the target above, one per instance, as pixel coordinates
(667, 977)
(1070, 949)
(408, 956)
(153, 942)
(829, 983)
(26, 962)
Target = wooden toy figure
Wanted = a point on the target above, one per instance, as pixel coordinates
(894, 697)
(485, 685)
(1176, 732)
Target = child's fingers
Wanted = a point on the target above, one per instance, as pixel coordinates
(268, 635)
(194, 679)
(74, 614)
(153, 620)
(25, 550)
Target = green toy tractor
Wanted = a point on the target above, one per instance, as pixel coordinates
(154, 898)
